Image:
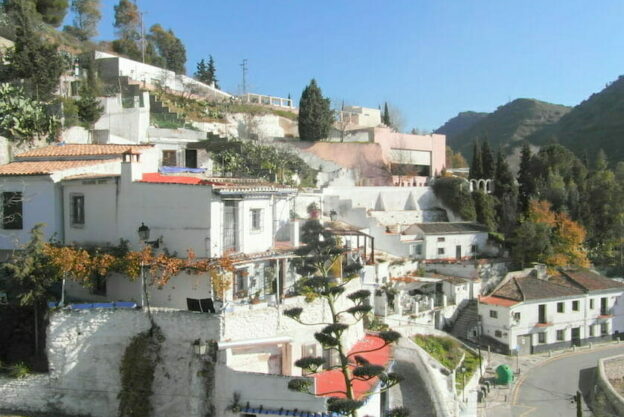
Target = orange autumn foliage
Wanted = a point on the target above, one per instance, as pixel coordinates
(567, 236)
(81, 266)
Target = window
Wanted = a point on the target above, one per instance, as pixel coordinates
(498, 333)
(604, 329)
(416, 249)
(575, 306)
(12, 210)
(560, 335)
(516, 316)
(440, 251)
(169, 158)
(494, 314)
(474, 249)
(591, 331)
(560, 307)
(77, 209)
(591, 303)
(190, 158)
(256, 220)
(541, 337)
(441, 239)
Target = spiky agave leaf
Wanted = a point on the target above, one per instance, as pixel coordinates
(368, 371)
(343, 406)
(390, 336)
(310, 364)
(335, 328)
(294, 313)
(326, 340)
(359, 310)
(359, 295)
(299, 385)
(398, 412)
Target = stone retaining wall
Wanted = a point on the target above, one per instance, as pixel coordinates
(611, 367)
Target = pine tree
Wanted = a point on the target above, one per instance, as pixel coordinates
(476, 167)
(89, 108)
(487, 161)
(52, 11)
(169, 48)
(201, 72)
(127, 22)
(86, 18)
(33, 60)
(315, 114)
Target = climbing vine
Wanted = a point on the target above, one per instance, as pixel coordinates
(137, 369)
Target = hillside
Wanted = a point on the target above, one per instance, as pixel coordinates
(460, 123)
(597, 123)
(510, 123)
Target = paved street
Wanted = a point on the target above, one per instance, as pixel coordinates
(546, 389)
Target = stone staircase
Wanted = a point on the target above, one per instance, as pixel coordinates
(467, 320)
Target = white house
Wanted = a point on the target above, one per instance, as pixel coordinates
(531, 311)
(445, 240)
(32, 187)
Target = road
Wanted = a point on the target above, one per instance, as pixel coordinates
(546, 390)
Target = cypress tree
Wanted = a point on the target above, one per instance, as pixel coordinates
(525, 179)
(476, 167)
(507, 193)
(315, 114)
(487, 161)
(386, 116)
(212, 72)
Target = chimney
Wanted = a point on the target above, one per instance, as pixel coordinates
(130, 166)
(541, 271)
(294, 233)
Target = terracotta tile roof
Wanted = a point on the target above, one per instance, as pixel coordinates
(591, 281)
(445, 228)
(330, 381)
(45, 167)
(497, 301)
(532, 288)
(61, 149)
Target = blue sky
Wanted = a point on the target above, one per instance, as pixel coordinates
(430, 59)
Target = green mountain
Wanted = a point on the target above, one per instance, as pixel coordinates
(596, 123)
(460, 123)
(508, 125)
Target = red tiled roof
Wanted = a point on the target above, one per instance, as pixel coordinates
(591, 281)
(81, 150)
(497, 301)
(46, 167)
(330, 381)
(158, 178)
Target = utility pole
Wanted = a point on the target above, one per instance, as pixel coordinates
(244, 67)
(142, 38)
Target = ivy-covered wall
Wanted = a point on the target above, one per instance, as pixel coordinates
(86, 349)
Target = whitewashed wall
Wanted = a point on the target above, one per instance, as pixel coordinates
(85, 350)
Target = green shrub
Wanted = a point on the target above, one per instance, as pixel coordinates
(19, 370)
(454, 193)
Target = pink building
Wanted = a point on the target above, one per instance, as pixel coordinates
(382, 156)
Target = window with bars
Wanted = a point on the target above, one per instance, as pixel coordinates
(77, 210)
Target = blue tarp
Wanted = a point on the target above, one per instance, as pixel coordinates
(120, 304)
(181, 170)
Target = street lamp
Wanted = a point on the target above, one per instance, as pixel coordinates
(144, 234)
